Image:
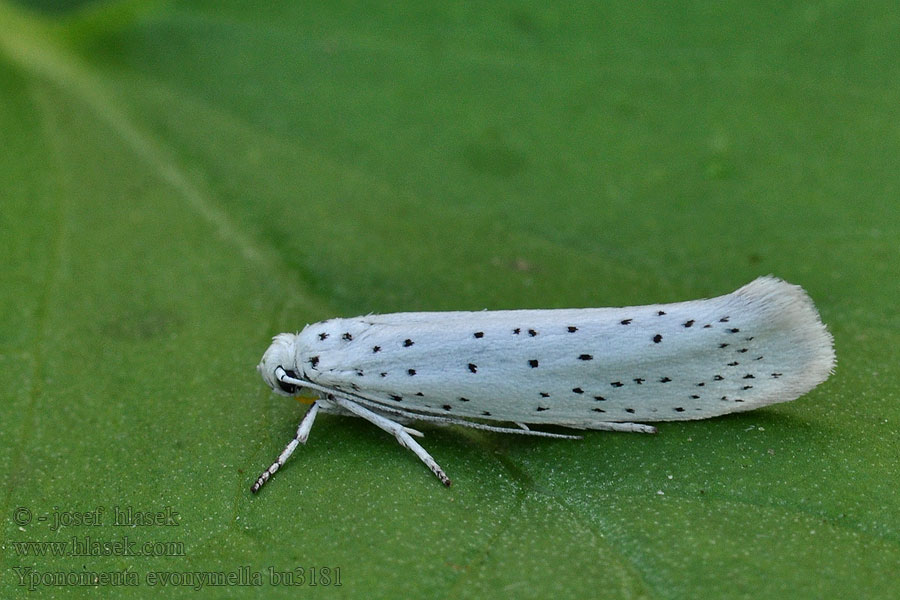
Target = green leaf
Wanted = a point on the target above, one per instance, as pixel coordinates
(182, 180)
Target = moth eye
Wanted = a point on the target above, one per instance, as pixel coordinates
(287, 388)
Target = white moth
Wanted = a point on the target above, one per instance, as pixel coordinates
(591, 368)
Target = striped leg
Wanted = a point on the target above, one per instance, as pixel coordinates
(302, 433)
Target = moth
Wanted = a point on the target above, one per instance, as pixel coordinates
(610, 369)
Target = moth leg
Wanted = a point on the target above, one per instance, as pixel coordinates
(398, 430)
(302, 434)
(414, 432)
(624, 427)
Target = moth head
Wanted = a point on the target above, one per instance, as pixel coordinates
(279, 360)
